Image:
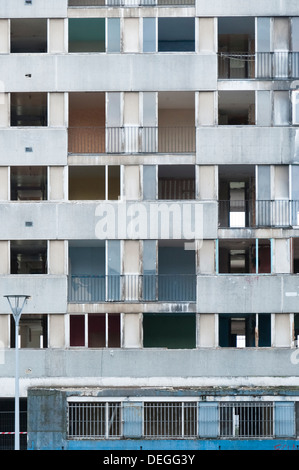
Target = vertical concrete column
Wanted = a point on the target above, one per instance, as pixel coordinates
(206, 35)
(132, 330)
(207, 185)
(131, 121)
(56, 331)
(4, 36)
(206, 257)
(57, 110)
(4, 257)
(281, 262)
(132, 268)
(4, 183)
(4, 335)
(207, 331)
(131, 39)
(282, 330)
(56, 179)
(57, 257)
(131, 182)
(4, 107)
(206, 111)
(56, 36)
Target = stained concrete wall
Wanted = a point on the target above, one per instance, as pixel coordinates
(247, 144)
(247, 294)
(47, 429)
(253, 8)
(54, 73)
(40, 9)
(89, 220)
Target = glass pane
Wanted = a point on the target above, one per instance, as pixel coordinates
(96, 331)
(114, 331)
(149, 35)
(77, 330)
(113, 35)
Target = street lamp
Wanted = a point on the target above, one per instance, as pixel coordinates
(16, 303)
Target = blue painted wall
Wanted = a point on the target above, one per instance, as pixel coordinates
(185, 445)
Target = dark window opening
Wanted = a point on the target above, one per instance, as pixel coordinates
(28, 183)
(172, 331)
(176, 182)
(29, 109)
(28, 35)
(28, 256)
(103, 330)
(241, 331)
(87, 35)
(176, 35)
(33, 331)
(236, 108)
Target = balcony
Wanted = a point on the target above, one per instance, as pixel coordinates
(260, 65)
(250, 213)
(132, 288)
(131, 139)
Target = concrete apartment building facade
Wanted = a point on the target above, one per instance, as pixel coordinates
(149, 201)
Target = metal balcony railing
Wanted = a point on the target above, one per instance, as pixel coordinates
(260, 65)
(131, 139)
(129, 3)
(261, 213)
(132, 288)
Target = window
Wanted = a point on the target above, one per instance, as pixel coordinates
(245, 331)
(28, 35)
(176, 182)
(28, 183)
(33, 331)
(94, 420)
(246, 420)
(28, 109)
(176, 35)
(87, 35)
(169, 420)
(28, 256)
(103, 330)
(172, 331)
(94, 182)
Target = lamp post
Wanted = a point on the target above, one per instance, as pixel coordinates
(16, 303)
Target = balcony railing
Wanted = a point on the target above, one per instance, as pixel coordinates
(129, 3)
(266, 213)
(260, 65)
(131, 139)
(132, 288)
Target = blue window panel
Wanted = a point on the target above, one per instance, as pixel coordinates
(114, 262)
(149, 35)
(149, 182)
(208, 420)
(113, 40)
(149, 269)
(284, 419)
(132, 419)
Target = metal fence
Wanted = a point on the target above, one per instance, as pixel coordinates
(260, 213)
(245, 420)
(132, 287)
(131, 139)
(7, 425)
(129, 3)
(170, 420)
(273, 65)
(94, 420)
